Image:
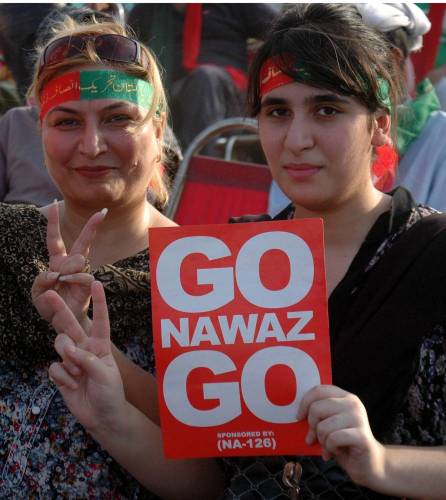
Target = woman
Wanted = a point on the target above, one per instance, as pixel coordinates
(102, 113)
(323, 88)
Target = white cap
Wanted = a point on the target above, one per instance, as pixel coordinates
(391, 16)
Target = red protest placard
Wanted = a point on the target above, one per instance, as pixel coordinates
(240, 330)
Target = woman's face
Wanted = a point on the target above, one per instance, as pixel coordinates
(318, 144)
(100, 152)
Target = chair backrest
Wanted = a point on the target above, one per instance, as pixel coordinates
(210, 190)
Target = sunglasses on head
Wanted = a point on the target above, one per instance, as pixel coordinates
(115, 48)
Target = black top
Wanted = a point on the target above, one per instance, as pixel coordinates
(388, 345)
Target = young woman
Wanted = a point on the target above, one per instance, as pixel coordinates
(323, 87)
(102, 114)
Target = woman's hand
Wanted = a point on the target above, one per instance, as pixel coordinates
(338, 421)
(95, 395)
(68, 273)
(96, 399)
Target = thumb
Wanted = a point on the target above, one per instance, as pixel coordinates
(42, 284)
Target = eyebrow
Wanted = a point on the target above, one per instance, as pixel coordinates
(65, 109)
(315, 99)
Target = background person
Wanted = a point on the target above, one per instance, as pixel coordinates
(421, 122)
(23, 175)
(438, 78)
(204, 51)
(18, 34)
(103, 153)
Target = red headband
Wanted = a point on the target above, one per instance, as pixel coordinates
(271, 77)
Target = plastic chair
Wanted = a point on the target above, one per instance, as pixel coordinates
(210, 190)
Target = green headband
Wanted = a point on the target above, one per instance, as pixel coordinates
(383, 94)
(95, 84)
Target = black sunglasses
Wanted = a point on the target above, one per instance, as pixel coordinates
(116, 48)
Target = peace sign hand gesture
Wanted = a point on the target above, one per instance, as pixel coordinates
(95, 394)
(68, 273)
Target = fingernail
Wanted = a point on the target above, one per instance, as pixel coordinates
(70, 348)
(55, 201)
(75, 370)
(310, 437)
(66, 277)
(52, 276)
(104, 212)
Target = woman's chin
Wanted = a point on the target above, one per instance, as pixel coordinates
(97, 198)
(311, 199)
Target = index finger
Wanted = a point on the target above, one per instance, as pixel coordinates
(316, 394)
(54, 241)
(63, 319)
(101, 323)
(86, 236)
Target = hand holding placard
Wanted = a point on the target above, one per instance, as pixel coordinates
(241, 333)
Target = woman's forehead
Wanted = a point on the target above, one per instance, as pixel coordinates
(97, 106)
(296, 91)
